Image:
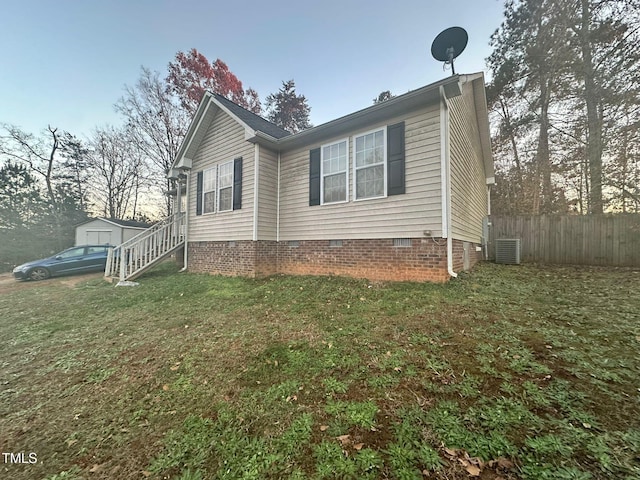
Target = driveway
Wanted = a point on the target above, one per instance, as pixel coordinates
(10, 284)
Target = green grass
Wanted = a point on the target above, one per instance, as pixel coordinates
(527, 372)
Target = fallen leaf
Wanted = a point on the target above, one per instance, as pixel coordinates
(165, 387)
(473, 470)
(344, 439)
(505, 463)
(175, 367)
(451, 452)
(146, 473)
(324, 428)
(96, 468)
(358, 446)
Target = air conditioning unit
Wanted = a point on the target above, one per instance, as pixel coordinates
(508, 251)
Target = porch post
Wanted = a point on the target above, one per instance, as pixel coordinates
(178, 209)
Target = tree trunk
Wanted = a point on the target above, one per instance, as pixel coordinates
(543, 157)
(594, 122)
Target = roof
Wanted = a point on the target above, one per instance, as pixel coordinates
(259, 130)
(120, 223)
(254, 121)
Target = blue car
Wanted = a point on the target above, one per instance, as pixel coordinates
(84, 259)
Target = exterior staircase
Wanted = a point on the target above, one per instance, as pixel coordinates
(137, 255)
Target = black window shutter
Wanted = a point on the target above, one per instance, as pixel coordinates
(199, 182)
(395, 159)
(314, 177)
(237, 183)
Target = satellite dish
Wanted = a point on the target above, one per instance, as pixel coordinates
(448, 45)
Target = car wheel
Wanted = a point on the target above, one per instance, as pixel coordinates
(39, 273)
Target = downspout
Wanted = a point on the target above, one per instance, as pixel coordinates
(186, 221)
(256, 190)
(445, 172)
(486, 240)
(278, 203)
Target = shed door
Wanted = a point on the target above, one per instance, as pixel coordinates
(99, 237)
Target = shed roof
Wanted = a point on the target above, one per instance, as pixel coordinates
(118, 222)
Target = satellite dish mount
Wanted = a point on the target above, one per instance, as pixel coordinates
(448, 45)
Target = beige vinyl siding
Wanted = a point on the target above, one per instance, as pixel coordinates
(267, 195)
(407, 215)
(468, 183)
(223, 142)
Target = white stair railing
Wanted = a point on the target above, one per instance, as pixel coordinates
(131, 258)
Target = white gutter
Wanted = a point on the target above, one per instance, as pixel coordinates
(445, 174)
(256, 182)
(186, 222)
(278, 203)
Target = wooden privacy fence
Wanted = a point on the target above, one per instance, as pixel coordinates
(609, 239)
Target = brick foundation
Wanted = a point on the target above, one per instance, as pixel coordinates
(424, 259)
(223, 258)
(373, 259)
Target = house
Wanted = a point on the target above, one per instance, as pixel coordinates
(397, 191)
(107, 231)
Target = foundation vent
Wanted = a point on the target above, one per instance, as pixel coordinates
(401, 242)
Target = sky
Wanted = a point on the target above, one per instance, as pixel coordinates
(65, 63)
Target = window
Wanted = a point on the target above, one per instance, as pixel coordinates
(225, 187)
(71, 253)
(334, 172)
(209, 191)
(370, 165)
(378, 167)
(219, 189)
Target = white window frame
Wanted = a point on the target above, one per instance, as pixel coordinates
(322, 174)
(384, 163)
(213, 171)
(219, 189)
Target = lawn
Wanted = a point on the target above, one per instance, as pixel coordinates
(510, 372)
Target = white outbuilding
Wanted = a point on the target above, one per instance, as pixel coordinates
(108, 231)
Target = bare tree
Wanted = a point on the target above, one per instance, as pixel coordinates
(43, 157)
(118, 170)
(156, 125)
(37, 152)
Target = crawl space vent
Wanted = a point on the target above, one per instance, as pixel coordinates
(508, 251)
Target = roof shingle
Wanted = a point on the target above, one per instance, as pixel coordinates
(254, 121)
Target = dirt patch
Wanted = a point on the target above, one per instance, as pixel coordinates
(10, 284)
